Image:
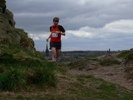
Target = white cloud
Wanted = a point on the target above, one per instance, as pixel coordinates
(36, 14)
(80, 33)
(39, 36)
(121, 26)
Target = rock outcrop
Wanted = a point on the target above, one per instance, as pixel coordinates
(14, 42)
(2, 6)
(9, 35)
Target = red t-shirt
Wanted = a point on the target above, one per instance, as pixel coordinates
(55, 37)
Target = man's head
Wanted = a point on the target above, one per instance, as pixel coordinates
(56, 19)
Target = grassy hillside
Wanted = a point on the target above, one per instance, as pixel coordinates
(74, 87)
(31, 77)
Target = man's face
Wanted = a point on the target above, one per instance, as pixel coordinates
(55, 22)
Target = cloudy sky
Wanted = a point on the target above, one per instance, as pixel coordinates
(89, 24)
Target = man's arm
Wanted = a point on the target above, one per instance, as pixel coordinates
(49, 35)
(61, 28)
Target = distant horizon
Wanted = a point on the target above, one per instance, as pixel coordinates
(85, 47)
(84, 50)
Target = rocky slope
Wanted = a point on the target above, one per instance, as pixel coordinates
(10, 36)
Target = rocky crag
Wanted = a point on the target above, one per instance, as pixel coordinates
(9, 35)
(12, 38)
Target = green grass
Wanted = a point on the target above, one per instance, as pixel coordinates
(17, 75)
(127, 56)
(81, 63)
(94, 58)
(109, 62)
(21, 68)
(80, 87)
(123, 54)
(12, 79)
(99, 89)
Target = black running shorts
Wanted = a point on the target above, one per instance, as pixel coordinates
(57, 45)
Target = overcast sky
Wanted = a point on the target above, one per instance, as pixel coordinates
(89, 24)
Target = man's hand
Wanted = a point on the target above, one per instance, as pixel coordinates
(47, 39)
(62, 33)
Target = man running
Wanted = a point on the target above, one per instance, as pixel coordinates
(55, 38)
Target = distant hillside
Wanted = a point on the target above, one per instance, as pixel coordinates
(73, 55)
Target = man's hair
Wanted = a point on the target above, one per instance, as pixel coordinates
(56, 18)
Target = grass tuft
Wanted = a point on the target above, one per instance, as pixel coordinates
(21, 67)
(43, 76)
(12, 80)
(109, 62)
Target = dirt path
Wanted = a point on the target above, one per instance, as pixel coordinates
(114, 74)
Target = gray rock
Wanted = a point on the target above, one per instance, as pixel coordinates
(9, 35)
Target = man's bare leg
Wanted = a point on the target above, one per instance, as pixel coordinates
(57, 53)
(54, 54)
